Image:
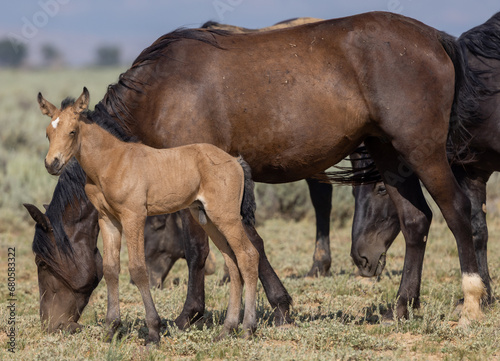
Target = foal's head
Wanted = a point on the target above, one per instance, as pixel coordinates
(63, 131)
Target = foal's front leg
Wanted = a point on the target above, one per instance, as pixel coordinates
(133, 228)
(111, 235)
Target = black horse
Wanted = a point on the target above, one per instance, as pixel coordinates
(376, 222)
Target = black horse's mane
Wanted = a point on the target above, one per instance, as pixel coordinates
(70, 189)
(114, 98)
(483, 41)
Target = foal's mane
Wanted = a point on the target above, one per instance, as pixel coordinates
(115, 98)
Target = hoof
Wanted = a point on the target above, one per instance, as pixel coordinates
(153, 340)
(183, 322)
(282, 318)
(111, 330)
(319, 270)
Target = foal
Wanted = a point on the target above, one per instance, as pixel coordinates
(126, 182)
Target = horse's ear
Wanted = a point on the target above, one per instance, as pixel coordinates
(46, 107)
(82, 102)
(37, 216)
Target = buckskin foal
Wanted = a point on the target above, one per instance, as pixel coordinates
(126, 182)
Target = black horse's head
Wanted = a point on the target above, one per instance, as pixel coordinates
(375, 224)
(65, 246)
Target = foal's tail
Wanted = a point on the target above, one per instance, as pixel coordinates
(469, 90)
(248, 205)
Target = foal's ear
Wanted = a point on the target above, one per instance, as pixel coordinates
(37, 216)
(82, 102)
(46, 107)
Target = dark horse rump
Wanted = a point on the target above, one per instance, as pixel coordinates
(294, 102)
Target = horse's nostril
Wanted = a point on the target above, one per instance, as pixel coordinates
(364, 262)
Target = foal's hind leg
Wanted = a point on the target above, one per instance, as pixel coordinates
(235, 286)
(133, 229)
(414, 215)
(242, 260)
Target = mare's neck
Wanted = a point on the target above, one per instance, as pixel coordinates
(97, 149)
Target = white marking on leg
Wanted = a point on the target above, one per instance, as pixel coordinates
(54, 123)
(474, 292)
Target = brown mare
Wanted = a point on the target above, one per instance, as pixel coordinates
(320, 192)
(376, 222)
(295, 101)
(66, 282)
(126, 182)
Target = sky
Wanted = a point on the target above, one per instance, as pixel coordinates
(78, 27)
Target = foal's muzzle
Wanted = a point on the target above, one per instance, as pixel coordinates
(55, 167)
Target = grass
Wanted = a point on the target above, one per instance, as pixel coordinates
(336, 317)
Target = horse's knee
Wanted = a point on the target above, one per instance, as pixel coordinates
(138, 273)
(417, 227)
(110, 271)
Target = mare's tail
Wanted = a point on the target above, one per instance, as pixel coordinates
(248, 205)
(469, 90)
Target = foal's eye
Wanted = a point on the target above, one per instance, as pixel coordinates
(73, 132)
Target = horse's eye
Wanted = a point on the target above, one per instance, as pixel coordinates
(73, 132)
(42, 265)
(381, 190)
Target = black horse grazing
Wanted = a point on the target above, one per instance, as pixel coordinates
(376, 222)
(293, 102)
(65, 245)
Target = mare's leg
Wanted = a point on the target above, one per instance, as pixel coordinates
(428, 160)
(133, 229)
(414, 216)
(111, 237)
(196, 250)
(276, 293)
(474, 186)
(321, 197)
